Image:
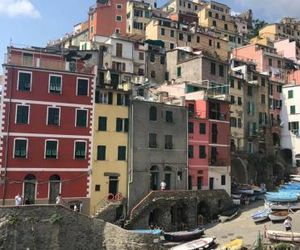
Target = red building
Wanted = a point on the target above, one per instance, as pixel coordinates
(107, 17)
(46, 127)
(209, 144)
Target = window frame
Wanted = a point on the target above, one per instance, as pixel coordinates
(125, 158)
(87, 114)
(85, 150)
(117, 6)
(61, 84)
(45, 148)
(59, 115)
(14, 148)
(104, 146)
(16, 113)
(18, 83)
(117, 18)
(88, 81)
(99, 118)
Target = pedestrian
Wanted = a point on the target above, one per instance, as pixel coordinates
(18, 200)
(288, 224)
(163, 185)
(58, 199)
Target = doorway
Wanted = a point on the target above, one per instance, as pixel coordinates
(113, 186)
(29, 189)
(199, 182)
(154, 180)
(211, 183)
(54, 188)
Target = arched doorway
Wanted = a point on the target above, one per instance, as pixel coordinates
(29, 189)
(239, 171)
(168, 177)
(54, 188)
(154, 178)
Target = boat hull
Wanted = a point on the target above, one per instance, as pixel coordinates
(278, 216)
(196, 244)
(183, 235)
(283, 236)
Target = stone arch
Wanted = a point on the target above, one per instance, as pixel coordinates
(155, 217)
(29, 189)
(239, 172)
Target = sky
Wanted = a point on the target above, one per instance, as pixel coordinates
(35, 22)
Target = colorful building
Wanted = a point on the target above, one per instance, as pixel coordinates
(47, 119)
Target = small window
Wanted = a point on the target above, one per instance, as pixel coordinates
(119, 124)
(223, 180)
(210, 14)
(80, 150)
(51, 149)
(290, 94)
(97, 188)
(181, 36)
(214, 23)
(53, 116)
(225, 26)
(191, 128)
(102, 123)
(119, 6)
(101, 153)
(270, 62)
(263, 82)
(172, 34)
(24, 81)
(210, 42)
(152, 113)
(221, 70)
(119, 18)
(121, 153)
(239, 85)
(218, 45)
(240, 101)
(82, 87)
(191, 152)
(178, 71)
(81, 118)
(162, 31)
(168, 141)
(152, 57)
(55, 84)
(189, 38)
(198, 39)
(152, 140)
(292, 110)
(232, 84)
(141, 56)
(22, 116)
(212, 68)
(202, 128)
(162, 60)
(20, 148)
(169, 116)
(202, 153)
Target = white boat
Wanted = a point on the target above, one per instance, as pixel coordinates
(297, 179)
(282, 206)
(261, 215)
(236, 196)
(278, 215)
(227, 218)
(283, 236)
(196, 244)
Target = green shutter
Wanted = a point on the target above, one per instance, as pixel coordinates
(101, 153)
(121, 153)
(80, 150)
(81, 118)
(102, 123)
(119, 124)
(24, 81)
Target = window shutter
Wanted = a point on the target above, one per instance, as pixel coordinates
(110, 98)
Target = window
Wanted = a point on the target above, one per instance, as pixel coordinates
(240, 101)
(80, 149)
(232, 99)
(152, 74)
(141, 56)
(214, 23)
(225, 26)
(101, 153)
(223, 180)
(202, 128)
(152, 113)
(232, 83)
(119, 18)
(162, 31)
(24, 81)
(55, 85)
(279, 64)
(122, 125)
(191, 128)
(181, 36)
(162, 60)
(239, 85)
(210, 14)
(191, 151)
(189, 38)
(233, 122)
(169, 116)
(105, 97)
(82, 86)
(250, 147)
(210, 42)
(294, 126)
(202, 153)
(290, 94)
(279, 88)
(239, 122)
(292, 110)
(221, 70)
(218, 45)
(121, 153)
(51, 149)
(81, 117)
(172, 33)
(212, 68)
(102, 123)
(20, 148)
(22, 114)
(172, 46)
(178, 71)
(152, 141)
(152, 57)
(53, 116)
(198, 39)
(263, 99)
(249, 91)
(168, 141)
(223, 17)
(119, 50)
(122, 100)
(119, 6)
(217, 16)
(97, 188)
(270, 62)
(263, 82)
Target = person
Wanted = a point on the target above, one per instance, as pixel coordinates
(18, 200)
(288, 224)
(163, 185)
(58, 199)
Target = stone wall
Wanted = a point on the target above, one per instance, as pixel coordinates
(55, 227)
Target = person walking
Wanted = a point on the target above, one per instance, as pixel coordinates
(58, 200)
(18, 200)
(288, 224)
(163, 185)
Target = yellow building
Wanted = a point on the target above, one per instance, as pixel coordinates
(110, 145)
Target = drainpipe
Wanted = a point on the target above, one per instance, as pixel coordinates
(130, 141)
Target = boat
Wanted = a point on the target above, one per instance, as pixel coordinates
(261, 215)
(282, 206)
(233, 245)
(283, 236)
(196, 244)
(281, 197)
(224, 218)
(236, 196)
(146, 231)
(184, 235)
(278, 216)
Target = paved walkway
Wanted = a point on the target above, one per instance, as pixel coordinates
(244, 228)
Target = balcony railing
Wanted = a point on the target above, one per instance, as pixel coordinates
(218, 163)
(46, 63)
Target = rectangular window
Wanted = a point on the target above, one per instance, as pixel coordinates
(121, 153)
(263, 82)
(119, 124)
(141, 56)
(223, 180)
(53, 116)
(270, 62)
(263, 99)
(249, 91)
(178, 71)
(239, 85)
(20, 148)
(82, 87)
(152, 57)
(212, 68)
(169, 116)
(189, 38)
(168, 141)
(119, 18)
(81, 117)
(119, 6)
(162, 60)
(80, 150)
(119, 50)
(51, 149)
(22, 116)
(191, 127)
(210, 42)
(126, 125)
(181, 36)
(233, 122)
(232, 99)
(239, 122)
(55, 84)
(218, 45)
(198, 39)
(101, 153)
(240, 101)
(152, 141)
(221, 70)
(292, 110)
(24, 81)
(191, 151)
(102, 123)
(202, 128)
(162, 31)
(290, 94)
(202, 153)
(172, 34)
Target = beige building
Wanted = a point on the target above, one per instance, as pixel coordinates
(183, 6)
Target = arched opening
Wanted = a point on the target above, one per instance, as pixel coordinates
(239, 171)
(154, 178)
(203, 213)
(153, 113)
(54, 188)
(179, 217)
(155, 218)
(29, 189)
(278, 173)
(168, 177)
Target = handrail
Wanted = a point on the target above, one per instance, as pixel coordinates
(108, 198)
(138, 204)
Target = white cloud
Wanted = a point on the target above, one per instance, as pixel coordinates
(14, 8)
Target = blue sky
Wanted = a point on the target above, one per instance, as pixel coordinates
(34, 22)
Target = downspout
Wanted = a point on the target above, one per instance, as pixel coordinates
(130, 141)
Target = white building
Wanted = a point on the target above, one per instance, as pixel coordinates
(290, 117)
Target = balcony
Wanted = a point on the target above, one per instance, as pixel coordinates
(218, 162)
(46, 63)
(109, 79)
